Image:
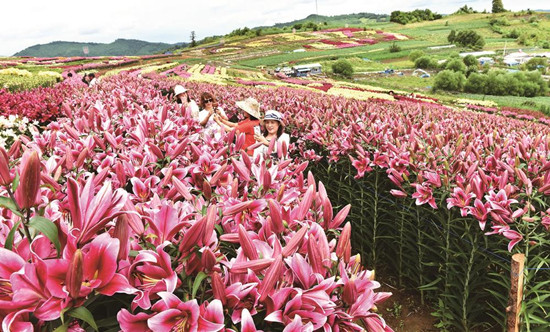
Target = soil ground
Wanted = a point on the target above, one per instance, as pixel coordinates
(403, 311)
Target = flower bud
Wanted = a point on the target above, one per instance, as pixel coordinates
(5, 177)
(75, 275)
(29, 181)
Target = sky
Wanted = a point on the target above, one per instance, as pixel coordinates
(30, 22)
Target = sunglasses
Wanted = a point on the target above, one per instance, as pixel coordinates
(208, 100)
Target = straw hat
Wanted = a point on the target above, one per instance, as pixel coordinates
(273, 115)
(179, 90)
(250, 106)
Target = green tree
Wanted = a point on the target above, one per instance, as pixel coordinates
(469, 38)
(498, 7)
(456, 65)
(476, 83)
(537, 64)
(343, 67)
(451, 37)
(449, 81)
(425, 62)
(416, 54)
(470, 60)
(193, 39)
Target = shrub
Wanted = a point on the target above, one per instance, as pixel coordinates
(425, 62)
(416, 54)
(449, 80)
(476, 83)
(470, 60)
(537, 64)
(514, 33)
(342, 67)
(394, 48)
(414, 16)
(456, 65)
(501, 83)
(451, 37)
(469, 38)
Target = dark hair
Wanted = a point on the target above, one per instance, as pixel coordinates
(252, 117)
(204, 96)
(91, 75)
(280, 129)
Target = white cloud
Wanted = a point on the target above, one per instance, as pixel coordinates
(39, 22)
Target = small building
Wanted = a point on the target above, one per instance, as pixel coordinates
(486, 60)
(287, 71)
(309, 69)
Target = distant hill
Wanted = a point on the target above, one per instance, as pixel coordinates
(118, 47)
(357, 18)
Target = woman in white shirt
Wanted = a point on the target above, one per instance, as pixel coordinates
(208, 113)
(182, 97)
(273, 129)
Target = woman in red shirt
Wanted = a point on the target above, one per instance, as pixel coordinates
(251, 114)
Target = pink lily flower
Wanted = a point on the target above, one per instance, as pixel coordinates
(511, 235)
(241, 296)
(151, 272)
(424, 195)
(461, 199)
(298, 326)
(480, 211)
(90, 213)
(247, 323)
(133, 323)
(362, 165)
(211, 317)
(165, 224)
(174, 315)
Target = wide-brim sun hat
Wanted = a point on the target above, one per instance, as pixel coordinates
(250, 106)
(273, 115)
(179, 90)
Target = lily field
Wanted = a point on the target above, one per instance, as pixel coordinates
(118, 212)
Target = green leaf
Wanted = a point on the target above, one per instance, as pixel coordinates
(48, 228)
(10, 204)
(83, 314)
(62, 328)
(196, 284)
(15, 182)
(9, 238)
(431, 285)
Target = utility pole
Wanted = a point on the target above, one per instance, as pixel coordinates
(316, 9)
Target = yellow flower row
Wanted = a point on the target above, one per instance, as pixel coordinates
(486, 103)
(15, 72)
(362, 95)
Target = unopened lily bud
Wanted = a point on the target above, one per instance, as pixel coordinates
(344, 241)
(75, 274)
(271, 277)
(5, 177)
(15, 149)
(294, 242)
(208, 259)
(29, 181)
(218, 287)
(248, 247)
(122, 233)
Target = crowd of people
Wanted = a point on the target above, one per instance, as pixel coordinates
(264, 135)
